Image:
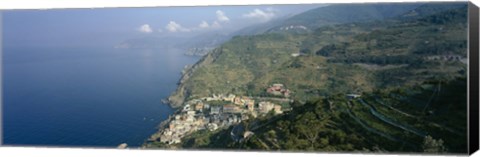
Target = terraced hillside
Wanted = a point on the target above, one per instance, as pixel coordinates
(347, 58)
(405, 120)
(392, 85)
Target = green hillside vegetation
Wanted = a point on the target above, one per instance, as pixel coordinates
(349, 58)
(340, 124)
(348, 13)
(410, 71)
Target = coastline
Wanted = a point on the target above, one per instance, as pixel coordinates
(158, 128)
(197, 115)
(176, 99)
(179, 96)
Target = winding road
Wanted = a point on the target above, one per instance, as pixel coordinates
(383, 118)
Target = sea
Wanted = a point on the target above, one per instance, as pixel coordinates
(86, 97)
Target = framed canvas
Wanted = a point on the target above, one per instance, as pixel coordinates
(348, 78)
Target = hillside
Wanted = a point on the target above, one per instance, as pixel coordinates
(347, 13)
(315, 18)
(347, 58)
(405, 120)
(391, 85)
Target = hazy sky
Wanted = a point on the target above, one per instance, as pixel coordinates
(81, 27)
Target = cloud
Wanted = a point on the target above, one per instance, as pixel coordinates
(263, 15)
(145, 29)
(215, 24)
(270, 9)
(203, 24)
(172, 26)
(221, 16)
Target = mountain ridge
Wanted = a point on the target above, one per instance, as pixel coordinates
(395, 85)
(304, 45)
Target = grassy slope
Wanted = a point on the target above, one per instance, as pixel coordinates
(383, 60)
(338, 130)
(247, 65)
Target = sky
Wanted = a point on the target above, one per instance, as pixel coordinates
(82, 27)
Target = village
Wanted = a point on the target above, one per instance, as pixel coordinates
(218, 111)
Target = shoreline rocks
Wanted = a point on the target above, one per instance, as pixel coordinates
(123, 146)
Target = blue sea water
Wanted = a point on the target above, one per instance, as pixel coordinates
(86, 97)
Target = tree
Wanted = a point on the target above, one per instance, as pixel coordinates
(431, 145)
(306, 51)
(308, 127)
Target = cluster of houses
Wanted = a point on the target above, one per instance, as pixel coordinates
(279, 90)
(198, 114)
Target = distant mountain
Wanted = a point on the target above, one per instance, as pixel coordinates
(348, 13)
(429, 9)
(149, 42)
(305, 22)
(203, 43)
(261, 27)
